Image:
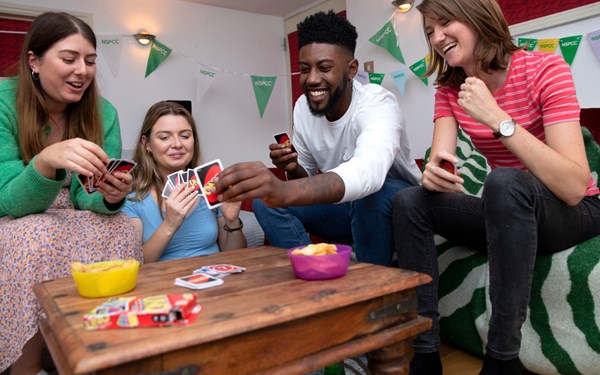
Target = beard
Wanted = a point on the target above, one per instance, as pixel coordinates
(333, 100)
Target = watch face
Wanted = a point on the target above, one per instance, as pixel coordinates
(507, 128)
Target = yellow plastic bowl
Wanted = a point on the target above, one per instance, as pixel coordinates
(107, 283)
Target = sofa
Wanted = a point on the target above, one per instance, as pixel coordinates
(562, 332)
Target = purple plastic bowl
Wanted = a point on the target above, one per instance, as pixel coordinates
(321, 267)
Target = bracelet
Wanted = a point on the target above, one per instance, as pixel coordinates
(228, 229)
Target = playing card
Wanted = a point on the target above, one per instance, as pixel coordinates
(206, 174)
(450, 167)
(219, 270)
(198, 281)
(192, 180)
(124, 165)
(86, 183)
(175, 178)
(168, 189)
(284, 139)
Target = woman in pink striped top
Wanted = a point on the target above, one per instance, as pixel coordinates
(521, 111)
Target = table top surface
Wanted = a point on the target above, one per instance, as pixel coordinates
(265, 295)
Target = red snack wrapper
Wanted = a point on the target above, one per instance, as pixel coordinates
(153, 311)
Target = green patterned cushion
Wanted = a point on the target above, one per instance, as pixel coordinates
(561, 334)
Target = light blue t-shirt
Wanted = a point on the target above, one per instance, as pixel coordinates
(197, 235)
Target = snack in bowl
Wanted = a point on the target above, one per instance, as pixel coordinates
(105, 279)
(320, 262)
(316, 249)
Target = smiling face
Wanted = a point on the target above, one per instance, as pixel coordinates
(171, 143)
(66, 70)
(326, 73)
(453, 40)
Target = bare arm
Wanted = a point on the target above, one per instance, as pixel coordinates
(254, 180)
(560, 163)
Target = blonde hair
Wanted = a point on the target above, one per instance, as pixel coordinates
(83, 117)
(146, 176)
(485, 18)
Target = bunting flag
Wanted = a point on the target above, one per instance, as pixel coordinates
(362, 77)
(109, 48)
(386, 38)
(204, 79)
(419, 68)
(529, 43)
(399, 77)
(376, 78)
(547, 45)
(594, 40)
(158, 53)
(263, 87)
(568, 47)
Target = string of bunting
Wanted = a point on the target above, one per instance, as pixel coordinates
(109, 47)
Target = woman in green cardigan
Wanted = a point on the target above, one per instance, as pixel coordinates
(53, 126)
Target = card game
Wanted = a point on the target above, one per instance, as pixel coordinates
(284, 139)
(90, 184)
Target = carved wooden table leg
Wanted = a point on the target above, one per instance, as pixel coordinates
(393, 359)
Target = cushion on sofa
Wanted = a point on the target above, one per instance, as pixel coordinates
(562, 332)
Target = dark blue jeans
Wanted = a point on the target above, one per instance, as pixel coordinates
(366, 222)
(516, 218)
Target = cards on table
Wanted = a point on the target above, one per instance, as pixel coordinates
(284, 139)
(200, 178)
(198, 281)
(90, 184)
(219, 270)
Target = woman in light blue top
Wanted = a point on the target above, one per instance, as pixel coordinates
(181, 225)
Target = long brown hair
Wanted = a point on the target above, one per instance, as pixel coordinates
(146, 176)
(485, 18)
(83, 117)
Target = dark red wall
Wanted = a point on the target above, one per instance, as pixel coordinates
(517, 11)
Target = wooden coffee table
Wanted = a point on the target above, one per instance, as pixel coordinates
(262, 321)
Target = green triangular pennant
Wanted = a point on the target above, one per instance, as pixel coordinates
(263, 87)
(158, 53)
(529, 43)
(568, 47)
(376, 78)
(386, 38)
(419, 68)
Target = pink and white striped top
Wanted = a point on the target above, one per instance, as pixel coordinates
(538, 92)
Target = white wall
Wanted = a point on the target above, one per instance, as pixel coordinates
(417, 103)
(228, 119)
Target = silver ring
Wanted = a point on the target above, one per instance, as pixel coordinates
(431, 169)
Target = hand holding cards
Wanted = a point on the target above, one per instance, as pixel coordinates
(200, 178)
(90, 184)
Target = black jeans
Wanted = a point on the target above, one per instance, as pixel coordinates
(515, 218)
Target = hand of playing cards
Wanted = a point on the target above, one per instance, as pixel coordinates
(200, 178)
(90, 184)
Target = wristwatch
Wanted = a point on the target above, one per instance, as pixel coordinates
(506, 129)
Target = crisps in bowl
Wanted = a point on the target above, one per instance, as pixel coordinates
(316, 249)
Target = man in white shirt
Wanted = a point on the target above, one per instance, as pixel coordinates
(351, 154)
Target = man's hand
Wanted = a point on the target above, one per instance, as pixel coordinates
(283, 157)
(248, 181)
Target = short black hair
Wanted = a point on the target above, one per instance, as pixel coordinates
(328, 28)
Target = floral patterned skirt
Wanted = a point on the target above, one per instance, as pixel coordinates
(40, 247)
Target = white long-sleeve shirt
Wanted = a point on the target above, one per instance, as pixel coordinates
(365, 145)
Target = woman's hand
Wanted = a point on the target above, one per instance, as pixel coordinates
(437, 177)
(76, 155)
(479, 103)
(116, 187)
(179, 204)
